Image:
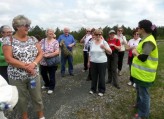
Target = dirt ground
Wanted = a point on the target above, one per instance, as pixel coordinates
(71, 98)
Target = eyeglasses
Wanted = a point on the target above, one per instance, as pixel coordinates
(26, 25)
(120, 30)
(8, 32)
(88, 31)
(137, 28)
(97, 34)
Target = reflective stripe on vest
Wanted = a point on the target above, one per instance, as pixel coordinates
(143, 68)
(152, 58)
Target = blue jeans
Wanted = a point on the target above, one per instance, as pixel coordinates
(63, 63)
(143, 101)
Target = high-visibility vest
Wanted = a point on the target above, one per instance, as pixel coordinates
(145, 71)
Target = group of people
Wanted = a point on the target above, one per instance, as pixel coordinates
(108, 53)
(21, 54)
(112, 56)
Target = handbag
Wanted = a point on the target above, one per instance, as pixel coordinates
(51, 61)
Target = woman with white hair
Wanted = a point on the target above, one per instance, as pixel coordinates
(50, 48)
(23, 53)
(98, 62)
(5, 31)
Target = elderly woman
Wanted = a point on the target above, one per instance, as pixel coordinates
(50, 48)
(98, 62)
(23, 53)
(121, 52)
(85, 40)
(5, 31)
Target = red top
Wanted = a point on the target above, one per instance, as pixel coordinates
(114, 41)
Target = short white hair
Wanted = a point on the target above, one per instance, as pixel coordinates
(5, 27)
(20, 20)
(67, 28)
(49, 29)
(88, 29)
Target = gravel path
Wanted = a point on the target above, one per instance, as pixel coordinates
(71, 98)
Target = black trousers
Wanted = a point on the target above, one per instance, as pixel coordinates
(48, 75)
(112, 69)
(85, 55)
(3, 72)
(98, 72)
(120, 59)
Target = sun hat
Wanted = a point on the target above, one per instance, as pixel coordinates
(112, 31)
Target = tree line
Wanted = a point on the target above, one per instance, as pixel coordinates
(40, 32)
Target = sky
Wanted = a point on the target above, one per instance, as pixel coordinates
(76, 14)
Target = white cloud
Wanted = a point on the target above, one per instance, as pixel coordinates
(83, 13)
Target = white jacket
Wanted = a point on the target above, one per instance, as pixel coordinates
(8, 93)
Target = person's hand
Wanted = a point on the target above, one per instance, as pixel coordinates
(112, 45)
(32, 72)
(102, 46)
(30, 68)
(46, 55)
(135, 53)
(70, 45)
(133, 47)
(31, 65)
(88, 64)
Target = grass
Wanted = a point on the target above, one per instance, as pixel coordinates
(78, 54)
(157, 90)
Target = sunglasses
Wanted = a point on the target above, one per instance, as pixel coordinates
(97, 34)
(120, 30)
(26, 25)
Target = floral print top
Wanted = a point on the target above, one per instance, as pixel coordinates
(48, 48)
(25, 51)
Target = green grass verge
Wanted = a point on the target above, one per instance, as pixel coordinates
(157, 90)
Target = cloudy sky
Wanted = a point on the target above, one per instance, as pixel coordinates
(83, 13)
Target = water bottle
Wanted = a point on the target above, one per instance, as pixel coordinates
(33, 83)
(5, 106)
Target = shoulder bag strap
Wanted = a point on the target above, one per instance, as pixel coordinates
(11, 40)
(44, 48)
